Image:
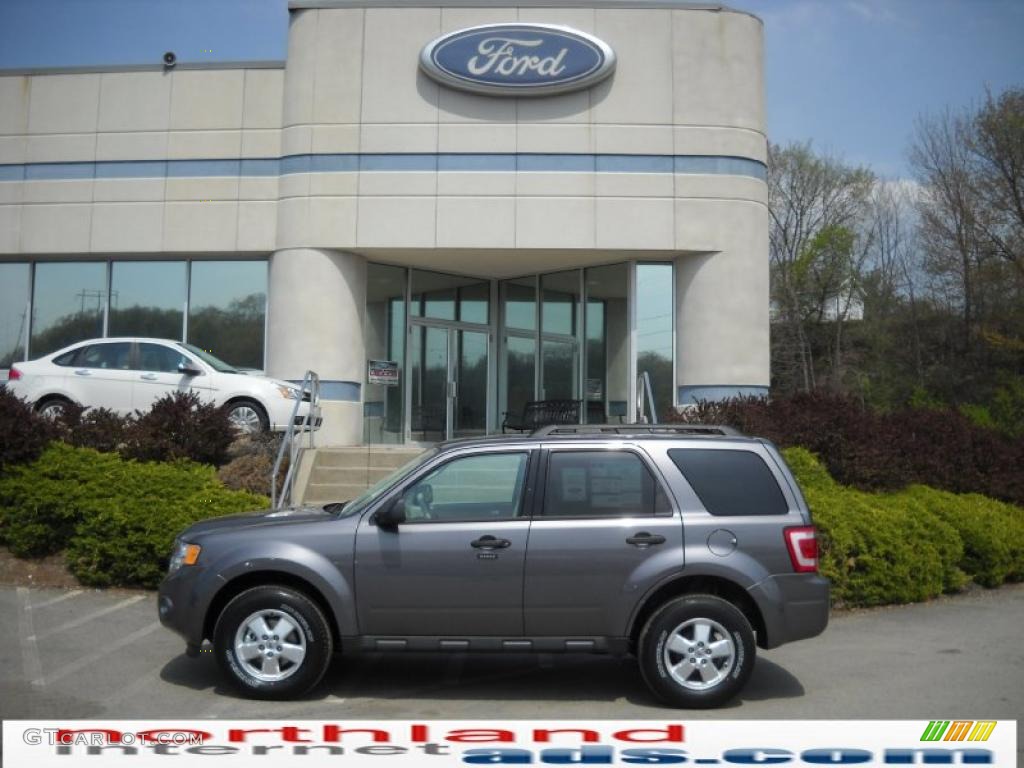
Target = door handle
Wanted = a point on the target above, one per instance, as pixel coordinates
(643, 539)
(83, 372)
(148, 376)
(489, 542)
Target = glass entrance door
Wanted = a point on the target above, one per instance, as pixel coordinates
(448, 382)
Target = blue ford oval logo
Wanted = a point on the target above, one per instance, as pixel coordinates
(518, 59)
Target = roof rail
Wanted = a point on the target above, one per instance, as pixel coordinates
(708, 430)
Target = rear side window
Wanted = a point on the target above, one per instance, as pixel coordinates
(730, 482)
(601, 484)
(67, 358)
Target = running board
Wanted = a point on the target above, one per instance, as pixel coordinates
(423, 643)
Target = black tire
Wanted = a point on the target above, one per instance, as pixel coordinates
(670, 674)
(51, 407)
(275, 603)
(262, 423)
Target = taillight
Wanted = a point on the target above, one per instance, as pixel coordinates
(14, 374)
(802, 543)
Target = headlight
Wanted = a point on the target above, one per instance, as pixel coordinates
(183, 554)
(288, 393)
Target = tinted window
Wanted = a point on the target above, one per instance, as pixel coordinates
(14, 283)
(601, 484)
(731, 482)
(484, 487)
(68, 358)
(115, 356)
(147, 298)
(156, 357)
(227, 310)
(67, 304)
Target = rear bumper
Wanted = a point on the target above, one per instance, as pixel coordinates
(794, 606)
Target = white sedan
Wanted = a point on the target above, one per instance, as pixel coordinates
(125, 375)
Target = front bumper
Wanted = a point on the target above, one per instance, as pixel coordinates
(181, 605)
(794, 606)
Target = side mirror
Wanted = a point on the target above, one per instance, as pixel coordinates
(188, 370)
(392, 515)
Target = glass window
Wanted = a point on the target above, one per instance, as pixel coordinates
(68, 358)
(520, 298)
(14, 286)
(67, 305)
(115, 356)
(520, 371)
(147, 298)
(654, 327)
(384, 337)
(161, 359)
(607, 334)
(730, 482)
(481, 487)
(560, 369)
(601, 484)
(227, 310)
(450, 297)
(561, 292)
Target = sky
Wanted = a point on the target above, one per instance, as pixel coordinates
(850, 75)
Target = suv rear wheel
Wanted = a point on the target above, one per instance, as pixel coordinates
(696, 651)
(273, 642)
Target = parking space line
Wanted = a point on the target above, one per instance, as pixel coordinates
(89, 617)
(85, 661)
(26, 634)
(58, 599)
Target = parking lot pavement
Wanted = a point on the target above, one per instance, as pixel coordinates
(85, 653)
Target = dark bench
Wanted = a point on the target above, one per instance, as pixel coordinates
(541, 413)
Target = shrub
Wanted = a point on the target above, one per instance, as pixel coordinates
(116, 518)
(880, 548)
(180, 426)
(875, 451)
(24, 434)
(98, 428)
(252, 462)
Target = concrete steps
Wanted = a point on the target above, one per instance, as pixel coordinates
(341, 474)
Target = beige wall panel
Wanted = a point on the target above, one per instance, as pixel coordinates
(64, 103)
(394, 89)
(58, 228)
(263, 98)
(10, 228)
(135, 101)
(476, 222)
(640, 90)
(337, 66)
(192, 226)
(127, 227)
(14, 103)
(207, 99)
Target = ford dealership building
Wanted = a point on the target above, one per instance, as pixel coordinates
(445, 209)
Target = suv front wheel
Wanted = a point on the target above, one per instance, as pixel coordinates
(696, 651)
(273, 642)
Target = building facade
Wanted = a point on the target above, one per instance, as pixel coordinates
(439, 256)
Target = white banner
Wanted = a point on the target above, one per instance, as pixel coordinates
(63, 743)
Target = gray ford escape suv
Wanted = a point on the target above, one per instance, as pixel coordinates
(684, 545)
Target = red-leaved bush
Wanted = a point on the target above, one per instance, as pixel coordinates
(872, 450)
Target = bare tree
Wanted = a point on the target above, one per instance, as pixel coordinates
(817, 206)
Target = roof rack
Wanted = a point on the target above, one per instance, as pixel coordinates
(707, 430)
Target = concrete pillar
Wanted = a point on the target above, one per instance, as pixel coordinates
(722, 332)
(317, 301)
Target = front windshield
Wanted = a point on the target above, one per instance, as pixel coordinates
(214, 362)
(359, 502)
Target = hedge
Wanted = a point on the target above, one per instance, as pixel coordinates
(876, 451)
(116, 518)
(911, 545)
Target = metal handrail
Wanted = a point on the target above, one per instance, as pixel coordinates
(293, 446)
(645, 392)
